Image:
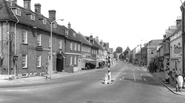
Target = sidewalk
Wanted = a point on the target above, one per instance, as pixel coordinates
(41, 79)
(160, 76)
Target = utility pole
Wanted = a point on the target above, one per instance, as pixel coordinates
(183, 38)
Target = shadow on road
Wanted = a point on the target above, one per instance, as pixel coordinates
(145, 80)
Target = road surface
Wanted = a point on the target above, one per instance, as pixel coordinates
(132, 84)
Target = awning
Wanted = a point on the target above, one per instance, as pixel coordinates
(101, 59)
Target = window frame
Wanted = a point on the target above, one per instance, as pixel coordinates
(71, 46)
(71, 60)
(25, 37)
(25, 63)
(60, 44)
(32, 16)
(75, 63)
(44, 21)
(39, 60)
(75, 47)
(39, 41)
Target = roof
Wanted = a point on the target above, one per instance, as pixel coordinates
(155, 42)
(83, 39)
(98, 45)
(7, 14)
(179, 28)
(73, 35)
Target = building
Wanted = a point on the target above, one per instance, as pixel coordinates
(85, 51)
(73, 51)
(152, 50)
(176, 50)
(25, 39)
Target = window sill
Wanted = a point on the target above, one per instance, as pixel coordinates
(39, 67)
(24, 67)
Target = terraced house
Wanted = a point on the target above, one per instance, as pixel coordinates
(25, 41)
(73, 51)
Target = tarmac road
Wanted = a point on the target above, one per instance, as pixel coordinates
(131, 84)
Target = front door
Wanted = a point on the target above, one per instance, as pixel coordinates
(60, 65)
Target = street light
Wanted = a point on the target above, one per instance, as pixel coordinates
(51, 50)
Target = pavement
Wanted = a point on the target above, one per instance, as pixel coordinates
(40, 79)
(160, 76)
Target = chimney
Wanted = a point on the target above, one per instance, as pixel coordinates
(27, 4)
(69, 25)
(52, 15)
(13, 2)
(178, 20)
(38, 8)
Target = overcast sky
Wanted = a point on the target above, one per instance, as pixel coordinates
(119, 22)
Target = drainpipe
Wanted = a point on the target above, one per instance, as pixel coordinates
(8, 32)
(15, 42)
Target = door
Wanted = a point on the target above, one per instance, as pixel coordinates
(60, 64)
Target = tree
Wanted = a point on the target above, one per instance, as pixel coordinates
(119, 49)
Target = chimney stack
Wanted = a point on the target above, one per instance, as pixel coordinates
(38, 8)
(27, 4)
(69, 25)
(52, 15)
(178, 20)
(13, 2)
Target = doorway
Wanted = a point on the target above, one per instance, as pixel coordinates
(60, 63)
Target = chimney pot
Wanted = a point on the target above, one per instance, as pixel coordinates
(69, 25)
(27, 4)
(52, 15)
(38, 8)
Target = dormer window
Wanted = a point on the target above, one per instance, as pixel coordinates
(44, 21)
(33, 17)
(74, 34)
(17, 11)
(66, 32)
(54, 25)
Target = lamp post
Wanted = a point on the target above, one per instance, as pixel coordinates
(51, 50)
(183, 37)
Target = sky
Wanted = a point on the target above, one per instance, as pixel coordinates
(124, 23)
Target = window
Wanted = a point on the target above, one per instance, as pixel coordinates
(17, 11)
(78, 47)
(75, 47)
(71, 46)
(44, 21)
(75, 61)
(38, 39)
(66, 32)
(60, 44)
(39, 61)
(25, 37)
(49, 42)
(24, 61)
(74, 34)
(71, 60)
(33, 17)
(55, 25)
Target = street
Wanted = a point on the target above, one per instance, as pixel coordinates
(132, 84)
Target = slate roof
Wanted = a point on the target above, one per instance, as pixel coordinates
(6, 14)
(179, 28)
(73, 37)
(98, 45)
(83, 39)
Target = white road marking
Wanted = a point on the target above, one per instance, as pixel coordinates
(118, 74)
(141, 74)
